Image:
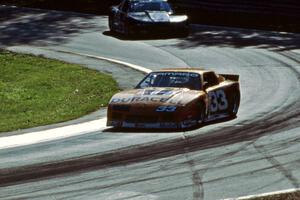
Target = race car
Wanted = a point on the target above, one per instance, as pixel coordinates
(145, 16)
(176, 98)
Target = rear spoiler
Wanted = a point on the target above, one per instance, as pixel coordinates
(232, 77)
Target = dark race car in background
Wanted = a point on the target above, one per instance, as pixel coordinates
(146, 16)
(176, 98)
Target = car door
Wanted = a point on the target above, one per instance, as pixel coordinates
(218, 95)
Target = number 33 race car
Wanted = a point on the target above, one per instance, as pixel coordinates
(176, 98)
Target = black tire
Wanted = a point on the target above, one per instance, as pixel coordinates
(235, 104)
(202, 113)
(111, 23)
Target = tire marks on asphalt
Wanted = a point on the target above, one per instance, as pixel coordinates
(276, 164)
(198, 191)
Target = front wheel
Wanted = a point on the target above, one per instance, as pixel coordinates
(111, 23)
(202, 114)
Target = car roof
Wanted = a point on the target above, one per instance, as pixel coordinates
(195, 70)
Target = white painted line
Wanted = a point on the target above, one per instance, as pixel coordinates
(132, 66)
(52, 134)
(265, 194)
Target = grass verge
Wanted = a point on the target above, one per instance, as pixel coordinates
(36, 91)
(286, 196)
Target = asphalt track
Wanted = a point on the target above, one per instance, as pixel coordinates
(256, 153)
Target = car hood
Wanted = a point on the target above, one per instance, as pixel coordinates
(157, 16)
(156, 96)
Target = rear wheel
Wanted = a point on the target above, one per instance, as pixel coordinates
(234, 105)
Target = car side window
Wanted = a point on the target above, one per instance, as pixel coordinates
(210, 78)
(148, 81)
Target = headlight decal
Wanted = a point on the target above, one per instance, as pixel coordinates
(166, 109)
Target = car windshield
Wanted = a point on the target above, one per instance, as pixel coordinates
(150, 6)
(171, 79)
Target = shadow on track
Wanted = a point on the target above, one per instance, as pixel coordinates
(210, 36)
(137, 37)
(26, 26)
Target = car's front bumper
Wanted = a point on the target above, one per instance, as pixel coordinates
(159, 27)
(153, 125)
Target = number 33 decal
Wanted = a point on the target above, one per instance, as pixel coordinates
(218, 100)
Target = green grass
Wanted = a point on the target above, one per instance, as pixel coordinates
(287, 196)
(36, 91)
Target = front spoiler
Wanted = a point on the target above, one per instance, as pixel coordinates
(157, 125)
(141, 27)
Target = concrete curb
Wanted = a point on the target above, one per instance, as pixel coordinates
(132, 66)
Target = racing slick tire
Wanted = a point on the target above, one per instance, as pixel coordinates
(233, 109)
(111, 23)
(202, 114)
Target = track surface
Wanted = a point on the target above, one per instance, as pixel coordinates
(257, 152)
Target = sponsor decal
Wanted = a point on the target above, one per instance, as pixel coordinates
(188, 123)
(168, 125)
(115, 123)
(158, 92)
(150, 125)
(185, 74)
(166, 109)
(139, 99)
(218, 101)
(145, 99)
(120, 100)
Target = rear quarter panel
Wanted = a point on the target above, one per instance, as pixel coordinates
(221, 97)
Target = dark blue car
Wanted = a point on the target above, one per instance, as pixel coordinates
(145, 16)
